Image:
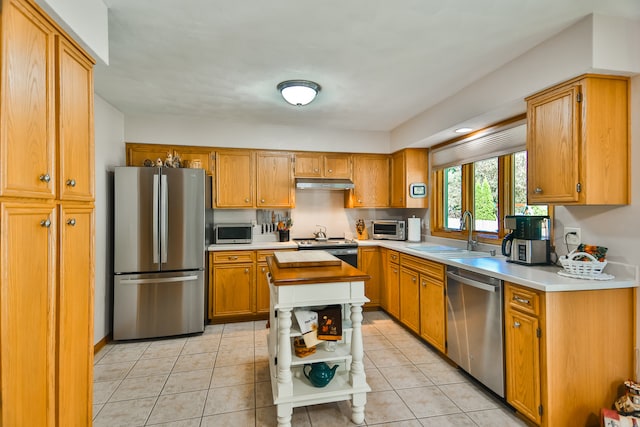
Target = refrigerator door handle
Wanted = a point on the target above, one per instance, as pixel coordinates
(155, 218)
(164, 221)
(165, 280)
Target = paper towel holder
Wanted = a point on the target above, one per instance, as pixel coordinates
(418, 190)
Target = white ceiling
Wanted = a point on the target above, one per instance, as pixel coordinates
(379, 62)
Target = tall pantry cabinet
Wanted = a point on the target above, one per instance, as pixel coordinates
(46, 222)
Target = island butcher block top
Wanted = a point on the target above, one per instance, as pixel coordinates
(305, 259)
(304, 274)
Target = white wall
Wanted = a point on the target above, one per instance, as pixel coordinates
(109, 152)
(204, 131)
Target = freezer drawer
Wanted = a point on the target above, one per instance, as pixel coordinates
(158, 304)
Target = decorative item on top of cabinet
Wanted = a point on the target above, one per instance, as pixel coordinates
(371, 180)
(408, 166)
(578, 142)
(149, 154)
(322, 165)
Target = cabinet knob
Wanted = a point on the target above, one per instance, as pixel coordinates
(316, 170)
(246, 200)
(46, 223)
(71, 182)
(395, 270)
(413, 279)
(424, 283)
(44, 178)
(264, 270)
(516, 324)
(359, 200)
(538, 190)
(246, 270)
(231, 258)
(330, 171)
(71, 221)
(261, 200)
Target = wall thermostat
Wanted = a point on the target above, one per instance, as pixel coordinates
(418, 190)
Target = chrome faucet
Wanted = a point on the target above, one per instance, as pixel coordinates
(471, 244)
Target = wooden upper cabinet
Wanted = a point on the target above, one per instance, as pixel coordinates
(274, 179)
(578, 142)
(323, 165)
(371, 180)
(408, 167)
(139, 154)
(27, 104)
(75, 124)
(234, 179)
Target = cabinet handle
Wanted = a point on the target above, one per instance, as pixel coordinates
(45, 223)
(71, 222)
(71, 182)
(520, 300)
(231, 258)
(424, 283)
(359, 200)
(246, 200)
(413, 279)
(395, 271)
(246, 270)
(516, 324)
(315, 170)
(45, 178)
(261, 200)
(264, 269)
(538, 190)
(330, 171)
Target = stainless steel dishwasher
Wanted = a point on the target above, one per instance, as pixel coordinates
(475, 332)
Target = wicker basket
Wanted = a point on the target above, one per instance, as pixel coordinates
(582, 268)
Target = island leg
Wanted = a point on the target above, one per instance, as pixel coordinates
(285, 380)
(358, 377)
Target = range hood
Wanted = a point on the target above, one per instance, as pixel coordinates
(324, 184)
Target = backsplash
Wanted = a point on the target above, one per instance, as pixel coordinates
(318, 207)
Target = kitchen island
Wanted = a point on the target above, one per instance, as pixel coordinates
(301, 286)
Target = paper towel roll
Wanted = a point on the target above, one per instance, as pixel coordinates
(413, 229)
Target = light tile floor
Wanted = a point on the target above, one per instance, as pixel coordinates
(221, 378)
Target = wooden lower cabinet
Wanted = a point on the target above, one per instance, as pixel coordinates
(567, 353)
(432, 311)
(238, 285)
(370, 261)
(391, 289)
(410, 299)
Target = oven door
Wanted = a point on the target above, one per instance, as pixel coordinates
(348, 255)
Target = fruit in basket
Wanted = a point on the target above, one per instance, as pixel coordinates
(598, 252)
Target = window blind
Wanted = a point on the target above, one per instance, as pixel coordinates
(483, 147)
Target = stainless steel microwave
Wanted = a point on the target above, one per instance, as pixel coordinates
(388, 230)
(232, 233)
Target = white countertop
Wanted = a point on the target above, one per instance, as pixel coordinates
(543, 278)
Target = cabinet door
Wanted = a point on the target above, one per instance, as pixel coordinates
(370, 261)
(75, 122)
(27, 318)
(233, 289)
(552, 146)
(262, 288)
(410, 299)
(432, 311)
(27, 126)
(274, 180)
(308, 165)
(234, 179)
(371, 179)
(522, 354)
(398, 180)
(337, 166)
(75, 318)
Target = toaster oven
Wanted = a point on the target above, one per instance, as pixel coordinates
(388, 230)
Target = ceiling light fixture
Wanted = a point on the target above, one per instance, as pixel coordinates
(298, 92)
(463, 130)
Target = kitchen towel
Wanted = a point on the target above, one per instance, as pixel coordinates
(413, 229)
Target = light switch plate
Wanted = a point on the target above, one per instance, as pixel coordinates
(572, 239)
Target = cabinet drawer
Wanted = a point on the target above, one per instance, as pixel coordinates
(262, 255)
(393, 256)
(524, 300)
(233, 257)
(430, 268)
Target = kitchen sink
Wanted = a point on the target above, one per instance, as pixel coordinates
(449, 251)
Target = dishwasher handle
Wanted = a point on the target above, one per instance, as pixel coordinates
(476, 284)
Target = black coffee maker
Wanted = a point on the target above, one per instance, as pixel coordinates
(528, 243)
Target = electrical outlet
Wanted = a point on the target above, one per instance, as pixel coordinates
(572, 235)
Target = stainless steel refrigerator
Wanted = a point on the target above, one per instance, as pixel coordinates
(159, 249)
